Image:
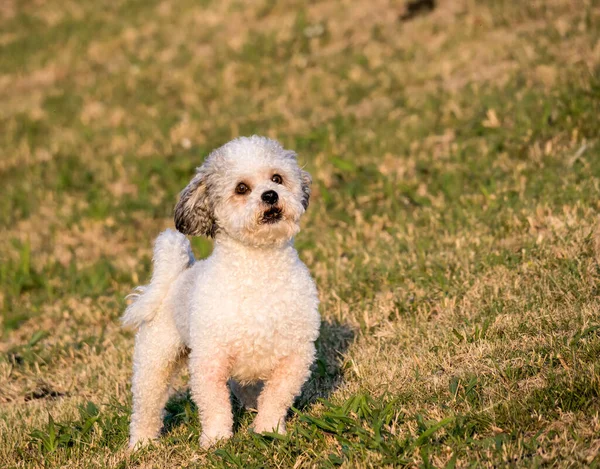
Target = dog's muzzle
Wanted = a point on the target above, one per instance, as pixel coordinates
(273, 215)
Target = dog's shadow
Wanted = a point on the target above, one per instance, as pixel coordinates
(327, 374)
(326, 377)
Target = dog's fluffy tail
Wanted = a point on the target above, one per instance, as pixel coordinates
(172, 255)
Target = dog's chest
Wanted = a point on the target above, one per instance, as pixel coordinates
(266, 307)
(260, 312)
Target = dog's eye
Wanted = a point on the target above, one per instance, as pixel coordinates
(277, 179)
(241, 188)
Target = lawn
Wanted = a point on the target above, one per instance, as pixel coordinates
(455, 153)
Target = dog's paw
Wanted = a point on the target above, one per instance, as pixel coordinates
(271, 426)
(212, 437)
(136, 443)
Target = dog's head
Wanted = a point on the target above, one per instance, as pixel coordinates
(250, 189)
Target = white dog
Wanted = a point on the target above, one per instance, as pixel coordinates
(247, 314)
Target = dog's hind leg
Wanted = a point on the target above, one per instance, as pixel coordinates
(157, 356)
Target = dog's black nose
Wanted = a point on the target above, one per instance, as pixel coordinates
(270, 197)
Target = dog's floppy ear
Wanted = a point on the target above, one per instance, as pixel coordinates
(194, 213)
(306, 181)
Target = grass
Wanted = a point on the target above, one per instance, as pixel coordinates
(452, 229)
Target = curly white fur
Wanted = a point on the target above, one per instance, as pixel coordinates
(248, 314)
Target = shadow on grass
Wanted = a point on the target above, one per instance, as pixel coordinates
(416, 8)
(334, 340)
(326, 377)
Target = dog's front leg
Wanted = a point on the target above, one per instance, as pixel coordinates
(208, 380)
(281, 389)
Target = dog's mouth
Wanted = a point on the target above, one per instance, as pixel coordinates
(273, 215)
